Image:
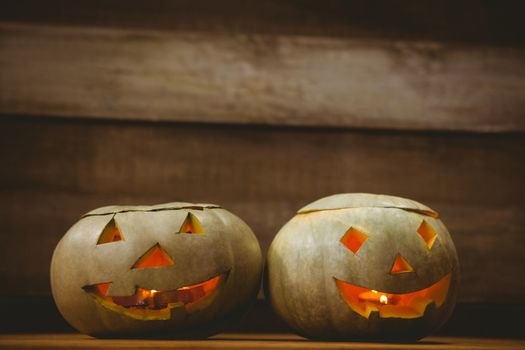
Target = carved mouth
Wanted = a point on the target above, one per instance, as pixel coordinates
(151, 304)
(409, 305)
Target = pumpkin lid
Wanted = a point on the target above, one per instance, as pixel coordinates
(361, 200)
(114, 209)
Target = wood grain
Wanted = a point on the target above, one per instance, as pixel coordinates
(56, 170)
(241, 341)
(275, 79)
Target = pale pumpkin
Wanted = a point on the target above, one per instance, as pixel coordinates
(363, 266)
(176, 269)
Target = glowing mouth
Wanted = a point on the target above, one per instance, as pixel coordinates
(151, 304)
(408, 305)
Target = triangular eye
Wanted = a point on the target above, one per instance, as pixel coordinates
(353, 239)
(428, 234)
(401, 265)
(110, 233)
(99, 288)
(154, 257)
(191, 225)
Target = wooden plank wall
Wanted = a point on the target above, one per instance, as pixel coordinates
(139, 74)
(263, 108)
(334, 63)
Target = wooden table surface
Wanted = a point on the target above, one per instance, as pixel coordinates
(241, 341)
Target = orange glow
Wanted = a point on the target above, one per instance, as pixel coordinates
(353, 239)
(110, 233)
(428, 233)
(191, 225)
(152, 304)
(373, 296)
(409, 305)
(154, 257)
(102, 288)
(401, 265)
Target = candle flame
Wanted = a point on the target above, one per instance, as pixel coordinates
(153, 291)
(383, 299)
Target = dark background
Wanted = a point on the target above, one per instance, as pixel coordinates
(263, 107)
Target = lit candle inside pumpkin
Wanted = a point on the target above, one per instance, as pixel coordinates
(374, 296)
(150, 297)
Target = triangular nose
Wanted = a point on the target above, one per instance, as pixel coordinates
(154, 257)
(401, 265)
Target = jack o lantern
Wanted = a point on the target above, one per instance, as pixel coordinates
(363, 266)
(176, 269)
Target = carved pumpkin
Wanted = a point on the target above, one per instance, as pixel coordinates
(363, 266)
(176, 269)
